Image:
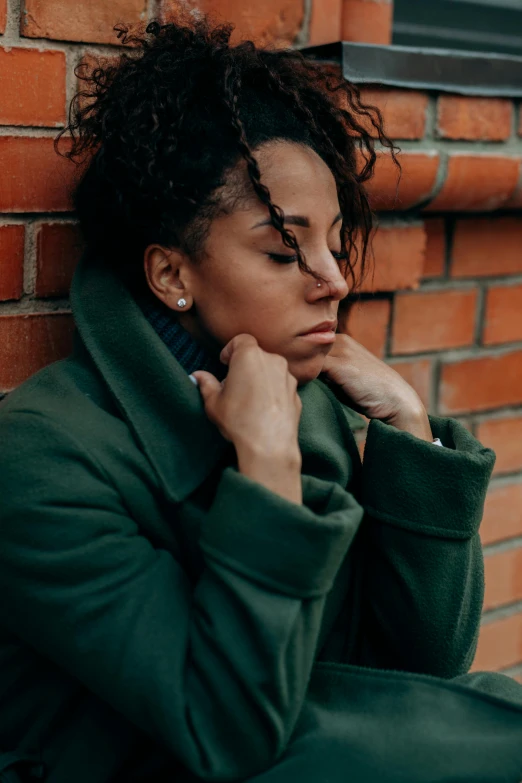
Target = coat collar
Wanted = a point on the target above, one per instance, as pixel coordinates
(161, 405)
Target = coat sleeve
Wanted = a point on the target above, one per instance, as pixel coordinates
(423, 578)
(216, 673)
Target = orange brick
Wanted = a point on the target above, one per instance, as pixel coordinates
(368, 21)
(500, 644)
(59, 246)
(398, 259)
(487, 246)
(504, 436)
(34, 177)
(481, 383)
(11, 262)
(68, 20)
(435, 257)
(368, 324)
(418, 374)
(275, 22)
(503, 318)
(32, 86)
(502, 513)
(3, 16)
(419, 172)
(503, 578)
(404, 111)
(477, 182)
(466, 117)
(433, 321)
(325, 22)
(30, 342)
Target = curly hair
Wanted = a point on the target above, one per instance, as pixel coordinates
(163, 127)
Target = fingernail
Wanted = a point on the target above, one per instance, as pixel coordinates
(194, 380)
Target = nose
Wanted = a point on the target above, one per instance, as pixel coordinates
(334, 285)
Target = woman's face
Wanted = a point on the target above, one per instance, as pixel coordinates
(239, 287)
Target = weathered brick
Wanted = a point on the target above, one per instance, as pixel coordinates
(325, 22)
(487, 246)
(34, 177)
(418, 374)
(435, 256)
(503, 316)
(32, 86)
(502, 513)
(30, 342)
(504, 436)
(433, 321)
(68, 20)
(474, 119)
(3, 16)
(419, 172)
(477, 182)
(276, 22)
(481, 383)
(368, 21)
(404, 111)
(500, 644)
(11, 262)
(368, 324)
(503, 573)
(59, 246)
(398, 258)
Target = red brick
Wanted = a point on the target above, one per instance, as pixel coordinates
(503, 318)
(502, 514)
(404, 111)
(275, 22)
(504, 436)
(32, 86)
(11, 262)
(515, 202)
(368, 21)
(368, 324)
(68, 20)
(418, 374)
(30, 342)
(3, 16)
(477, 182)
(34, 177)
(500, 644)
(487, 246)
(466, 117)
(59, 246)
(503, 578)
(398, 259)
(435, 257)
(481, 383)
(419, 172)
(325, 22)
(433, 321)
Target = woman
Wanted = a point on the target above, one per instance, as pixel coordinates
(202, 581)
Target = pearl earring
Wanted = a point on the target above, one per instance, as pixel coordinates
(182, 302)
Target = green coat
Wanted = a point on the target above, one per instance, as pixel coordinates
(162, 612)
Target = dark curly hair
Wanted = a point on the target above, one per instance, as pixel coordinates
(163, 127)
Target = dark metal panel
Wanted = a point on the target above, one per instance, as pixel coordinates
(443, 70)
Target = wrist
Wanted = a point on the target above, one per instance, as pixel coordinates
(278, 472)
(413, 420)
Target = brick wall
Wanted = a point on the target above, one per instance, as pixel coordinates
(444, 306)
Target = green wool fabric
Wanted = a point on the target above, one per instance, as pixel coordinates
(165, 618)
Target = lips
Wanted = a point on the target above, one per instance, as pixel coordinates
(325, 326)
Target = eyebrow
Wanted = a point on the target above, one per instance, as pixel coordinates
(296, 220)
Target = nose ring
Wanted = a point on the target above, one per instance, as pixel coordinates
(319, 285)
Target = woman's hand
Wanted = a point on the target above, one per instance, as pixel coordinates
(374, 389)
(257, 408)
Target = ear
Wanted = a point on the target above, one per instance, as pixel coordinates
(168, 276)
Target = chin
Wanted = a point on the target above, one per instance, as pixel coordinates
(306, 371)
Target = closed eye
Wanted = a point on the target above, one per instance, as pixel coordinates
(284, 259)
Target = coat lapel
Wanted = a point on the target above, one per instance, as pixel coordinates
(161, 405)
